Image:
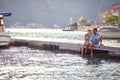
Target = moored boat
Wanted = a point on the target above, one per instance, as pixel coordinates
(68, 30)
(110, 32)
(5, 38)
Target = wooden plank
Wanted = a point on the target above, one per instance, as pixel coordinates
(68, 46)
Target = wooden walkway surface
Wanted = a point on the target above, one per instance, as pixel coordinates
(111, 48)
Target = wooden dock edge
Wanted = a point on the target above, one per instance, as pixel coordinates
(64, 46)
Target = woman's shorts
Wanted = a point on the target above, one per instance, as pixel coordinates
(86, 41)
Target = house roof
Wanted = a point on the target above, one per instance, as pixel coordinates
(114, 6)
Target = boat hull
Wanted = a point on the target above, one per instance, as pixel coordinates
(68, 30)
(110, 35)
(5, 38)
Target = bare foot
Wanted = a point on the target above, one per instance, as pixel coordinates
(101, 44)
(81, 54)
(85, 51)
(91, 55)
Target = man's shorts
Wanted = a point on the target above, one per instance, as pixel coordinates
(96, 42)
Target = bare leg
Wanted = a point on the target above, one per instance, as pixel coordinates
(86, 48)
(91, 48)
(82, 50)
(100, 39)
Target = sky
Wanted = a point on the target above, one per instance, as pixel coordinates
(50, 12)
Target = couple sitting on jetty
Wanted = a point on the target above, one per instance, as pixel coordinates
(91, 39)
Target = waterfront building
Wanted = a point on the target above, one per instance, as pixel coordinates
(111, 10)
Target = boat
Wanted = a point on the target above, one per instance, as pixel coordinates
(110, 32)
(68, 30)
(5, 37)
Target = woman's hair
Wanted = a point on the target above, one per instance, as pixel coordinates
(89, 30)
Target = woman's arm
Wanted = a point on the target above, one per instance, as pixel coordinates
(85, 36)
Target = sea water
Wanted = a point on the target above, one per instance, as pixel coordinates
(23, 63)
(47, 34)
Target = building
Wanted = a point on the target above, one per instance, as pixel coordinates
(112, 10)
(1, 24)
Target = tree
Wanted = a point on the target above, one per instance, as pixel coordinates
(112, 20)
(72, 25)
(91, 21)
(82, 20)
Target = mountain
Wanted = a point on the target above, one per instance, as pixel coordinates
(51, 12)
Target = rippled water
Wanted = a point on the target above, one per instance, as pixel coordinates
(52, 34)
(22, 63)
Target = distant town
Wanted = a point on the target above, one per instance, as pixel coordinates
(108, 17)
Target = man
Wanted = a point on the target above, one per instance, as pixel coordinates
(95, 39)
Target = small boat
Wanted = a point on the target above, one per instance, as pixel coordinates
(5, 37)
(110, 32)
(68, 30)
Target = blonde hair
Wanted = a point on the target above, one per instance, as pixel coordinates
(89, 31)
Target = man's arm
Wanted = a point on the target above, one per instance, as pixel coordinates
(92, 39)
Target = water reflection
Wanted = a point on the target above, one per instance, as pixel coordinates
(52, 34)
(29, 64)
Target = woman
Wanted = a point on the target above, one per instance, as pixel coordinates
(86, 43)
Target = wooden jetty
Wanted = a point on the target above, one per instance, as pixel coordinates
(110, 49)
